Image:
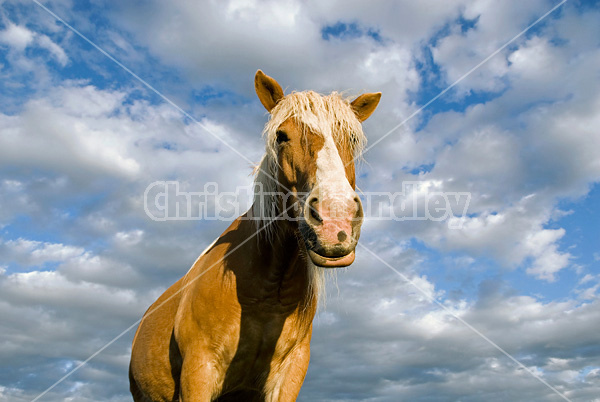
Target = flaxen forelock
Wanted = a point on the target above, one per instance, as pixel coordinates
(322, 114)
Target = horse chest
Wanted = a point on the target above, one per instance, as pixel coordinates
(265, 339)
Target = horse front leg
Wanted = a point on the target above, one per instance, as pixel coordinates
(285, 380)
(199, 381)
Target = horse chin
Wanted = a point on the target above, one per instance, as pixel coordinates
(331, 262)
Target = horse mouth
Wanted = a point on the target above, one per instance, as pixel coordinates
(331, 262)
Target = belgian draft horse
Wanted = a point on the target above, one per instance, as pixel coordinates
(237, 326)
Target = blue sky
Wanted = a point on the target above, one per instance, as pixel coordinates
(81, 139)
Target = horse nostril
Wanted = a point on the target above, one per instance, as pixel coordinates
(358, 212)
(315, 215)
(312, 205)
(342, 235)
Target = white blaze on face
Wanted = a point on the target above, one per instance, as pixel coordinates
(331, 174)
(336, 196)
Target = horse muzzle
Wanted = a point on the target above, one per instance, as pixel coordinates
(331, 228)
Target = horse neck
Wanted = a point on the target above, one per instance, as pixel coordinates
(281, 266)
(281, 255)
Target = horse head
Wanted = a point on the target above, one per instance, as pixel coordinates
(312, 143)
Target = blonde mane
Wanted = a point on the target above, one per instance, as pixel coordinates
(322, 114)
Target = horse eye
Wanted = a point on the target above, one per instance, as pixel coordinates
(281, 137)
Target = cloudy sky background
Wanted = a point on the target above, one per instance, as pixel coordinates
(80, 139)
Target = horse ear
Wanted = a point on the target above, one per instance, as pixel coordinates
(365, 104)
(268, 90)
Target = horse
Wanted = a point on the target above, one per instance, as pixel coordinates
(237, 326)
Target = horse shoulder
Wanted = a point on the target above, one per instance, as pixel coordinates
(208, 312)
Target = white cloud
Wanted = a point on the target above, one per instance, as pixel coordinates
(56, 51)
(49, 138)
(33, 253)
(496, 24)
(129, 238)
(548, 260)
(16, 36)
